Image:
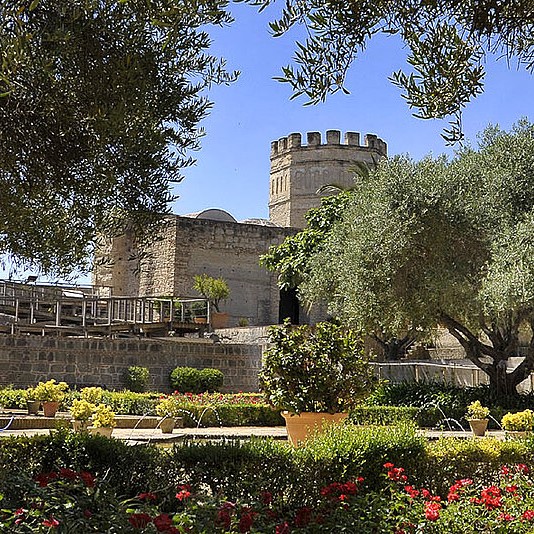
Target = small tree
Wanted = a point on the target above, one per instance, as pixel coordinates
(213, 289)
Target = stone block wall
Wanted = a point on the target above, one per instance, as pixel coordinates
(26, 360)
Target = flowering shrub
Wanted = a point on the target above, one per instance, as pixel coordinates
(168, 406)
(475, 410)
(94, 395)
(50, 391)
(519, 421)
(81, 410)
(103, 416)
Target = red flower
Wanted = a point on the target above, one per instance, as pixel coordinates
(139, 520)
(388, 465)
(522, 468)
(411, 491)
(397, 474)
(88, 479)
(51, 523)
(511, 489)
(247, 518)
(162, 522)
(432, 509)
(528, 515)
(147, 496)
(224, 515)
(505, 470)
(184, 492)
(44, 478)
(283, 528)
(505, 517)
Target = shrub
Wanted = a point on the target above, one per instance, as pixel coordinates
(50, 391)
(519, 421)
(319, 369)
(103, 416)
(211, 379)
(189, 379)
(12, 398)
(137, 379)
(81, 410)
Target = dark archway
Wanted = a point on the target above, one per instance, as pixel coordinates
(289, 306)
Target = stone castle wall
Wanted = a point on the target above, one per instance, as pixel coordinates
(188, 247)
(26, 360)
(299, 171)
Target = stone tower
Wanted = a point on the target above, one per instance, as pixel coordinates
(298, 171)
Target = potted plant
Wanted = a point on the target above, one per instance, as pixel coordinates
(477, 416)
(33, 405)
(314, 375)
(51, 394)
(103, 421)
(215, 290)
(81, 411)
(518, 424)
(167, 409)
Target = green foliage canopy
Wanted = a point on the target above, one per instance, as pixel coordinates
(100, 102)
(442, 243)
(448, 42)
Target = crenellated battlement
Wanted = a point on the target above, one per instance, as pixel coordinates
(333, 139)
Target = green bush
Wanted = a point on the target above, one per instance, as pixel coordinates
(191, 380)
(12, 398)
(137, 379)
(211, 379)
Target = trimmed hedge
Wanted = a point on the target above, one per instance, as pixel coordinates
(235, 468)
(196, 380)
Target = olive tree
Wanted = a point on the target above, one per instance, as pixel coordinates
(440, 242)
(100, 102)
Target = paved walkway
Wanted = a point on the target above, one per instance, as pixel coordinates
(152, 435)
(134, 429)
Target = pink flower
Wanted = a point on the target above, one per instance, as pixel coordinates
(184, 492)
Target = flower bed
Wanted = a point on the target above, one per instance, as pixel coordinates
(66, 499)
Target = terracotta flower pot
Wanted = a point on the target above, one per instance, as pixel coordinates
(478, 426)
(219, 319)
(50, 408)
(299, 426)
(167, 425)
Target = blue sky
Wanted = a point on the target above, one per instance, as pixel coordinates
(232, 169)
